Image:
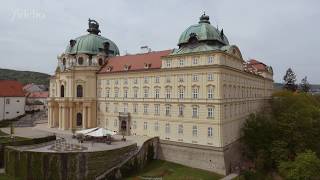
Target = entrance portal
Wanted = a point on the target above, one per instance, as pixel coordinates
(123, 126)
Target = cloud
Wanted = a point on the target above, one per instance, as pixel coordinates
(282, 34)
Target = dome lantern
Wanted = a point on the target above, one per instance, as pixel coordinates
(204, 33)
(92, 43)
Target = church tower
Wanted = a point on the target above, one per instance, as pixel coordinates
(73, 97)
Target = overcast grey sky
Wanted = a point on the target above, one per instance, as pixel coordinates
(281, 33)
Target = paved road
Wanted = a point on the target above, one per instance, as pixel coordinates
(30, 120)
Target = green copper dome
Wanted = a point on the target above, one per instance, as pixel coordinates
(203, 31)
(92, 43)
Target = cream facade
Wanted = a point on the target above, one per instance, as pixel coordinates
(203, 102)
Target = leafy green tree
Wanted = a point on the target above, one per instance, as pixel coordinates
(290, 80)
(292, 126)
(306, 166)
(305, 86)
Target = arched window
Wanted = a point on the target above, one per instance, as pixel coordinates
(62, 91)
(79, 119)
(80, 60)
(100, 62)
(79, 91)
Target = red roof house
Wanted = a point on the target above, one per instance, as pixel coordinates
(11, 88)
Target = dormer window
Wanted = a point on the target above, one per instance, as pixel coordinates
(147, 66)
(80, 60)
(100, 61)
(72, 42)
(126, 67)
(109, 68)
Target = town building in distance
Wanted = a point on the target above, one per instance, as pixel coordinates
(195, 97)
(12, 99)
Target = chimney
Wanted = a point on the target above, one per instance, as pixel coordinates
(145, 49)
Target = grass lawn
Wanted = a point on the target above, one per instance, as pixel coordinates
(172, 171)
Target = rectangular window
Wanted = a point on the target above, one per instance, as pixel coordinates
(168, 93)
(210, 92)
(167, 128)
(195, 92)
(210, 59)
(146, 80)
(157, 109)
(135, 108)
(180, 129)
(168, 109)
(181, 62)
(125, 93)
(195, 61)
(145, 125)
(125, 81)
(108, 82)
(195, 77)
(116, 82)
(145, 108)
(168, 63)
(157, 93)
(194, 131)
(210, 112)
(7, 101)
(181, 110)
(146, 93)
(209, 131)
(135, 93)
(180, 78)
(157, 79)
(195, 112)
(116, 93)
(210, 77)
(107, 93)
(181, 93)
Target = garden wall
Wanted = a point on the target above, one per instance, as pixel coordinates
(22, 142)
(53, 165)
(137, 161)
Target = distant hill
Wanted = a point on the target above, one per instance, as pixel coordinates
(25, 77)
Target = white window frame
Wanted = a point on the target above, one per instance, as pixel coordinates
(194, 130)
(180, 129)
(210, 132)
(210, 112)
(168, 110)
(195, 112)
(195, 92)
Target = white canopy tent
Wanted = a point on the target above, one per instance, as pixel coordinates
(85, 131)
(100, 132)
